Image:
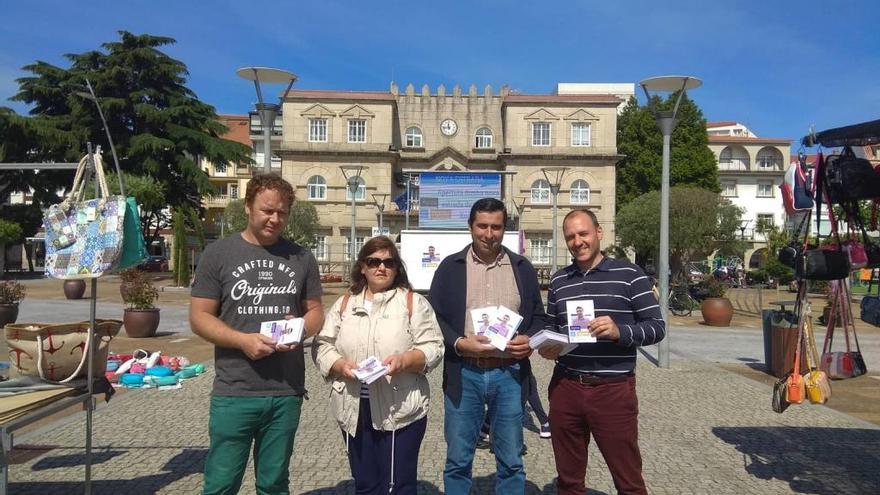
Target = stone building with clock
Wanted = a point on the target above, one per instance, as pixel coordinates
(393, 134)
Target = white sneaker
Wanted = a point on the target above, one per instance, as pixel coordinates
(545, 431)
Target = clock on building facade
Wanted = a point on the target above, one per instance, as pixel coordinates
(448, 127)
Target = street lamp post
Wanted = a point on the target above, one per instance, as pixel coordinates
(352, 175)
(379, 201)
(267, 111)
(666, 123)
(554, 177)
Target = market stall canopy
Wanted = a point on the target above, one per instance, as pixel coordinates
(852, 135)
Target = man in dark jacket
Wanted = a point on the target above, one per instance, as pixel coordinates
(475, 374)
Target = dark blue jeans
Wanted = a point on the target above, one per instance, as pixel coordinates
(369, 455)
(500, 389)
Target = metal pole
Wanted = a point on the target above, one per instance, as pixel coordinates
(267, 112)
(555, 190)
(352, 254)
(666, 123)
(381, 217)
(406, 211)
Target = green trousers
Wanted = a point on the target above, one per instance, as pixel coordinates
(236, 423)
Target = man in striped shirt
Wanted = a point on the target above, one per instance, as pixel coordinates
(592, 391)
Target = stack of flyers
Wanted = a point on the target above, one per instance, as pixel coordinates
(482, 318)
(579, 314)
(369, 370)
(547, 337)
(283, 332)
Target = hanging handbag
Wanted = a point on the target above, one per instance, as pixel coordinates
(840, 365)
(824, 264)
(795, 384)
(84, 237)
(57, 352)
(870, 310)
(134, 249)
(850, 177)
(780, 393)
(816, 383)
(796, 187)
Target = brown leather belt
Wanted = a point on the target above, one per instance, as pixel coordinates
(488, 362)
(592, 380)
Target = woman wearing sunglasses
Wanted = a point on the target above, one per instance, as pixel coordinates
(383, 422)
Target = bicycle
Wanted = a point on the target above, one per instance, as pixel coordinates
(680, 302)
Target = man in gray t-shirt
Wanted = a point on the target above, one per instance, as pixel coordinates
(242, 281)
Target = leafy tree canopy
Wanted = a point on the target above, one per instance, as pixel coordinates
(691, 162)
(700, 222)
(301, 227)
(160, 128)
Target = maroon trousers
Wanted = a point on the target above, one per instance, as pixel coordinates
(609, 412)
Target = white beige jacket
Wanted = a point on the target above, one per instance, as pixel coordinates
(388, 329)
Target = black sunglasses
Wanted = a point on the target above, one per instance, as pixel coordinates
(389, 263)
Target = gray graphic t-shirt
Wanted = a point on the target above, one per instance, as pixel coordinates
(255, 284)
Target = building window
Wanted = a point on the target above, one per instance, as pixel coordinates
(358, 244)
(765, 189)
(769, 159)
(540, 191)
(320, 248)
(220, 169)
(361, 190)
(541, 134)
(580, 192)
(357, 131)
(580, 134)
(540, 251)
(317, 130)
(764, 222)
(413, 137)
(233, 191)
(317, 187)
(484, 138)
(728, 189)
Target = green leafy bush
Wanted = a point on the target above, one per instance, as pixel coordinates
(137, 289)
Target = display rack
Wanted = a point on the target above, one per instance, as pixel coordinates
(88, 400)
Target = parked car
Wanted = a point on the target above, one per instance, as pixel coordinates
(154, 264)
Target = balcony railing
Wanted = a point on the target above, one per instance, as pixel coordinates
(734, 165)
(218, 201)
(769, 165)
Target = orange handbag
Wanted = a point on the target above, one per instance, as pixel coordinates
(816, 382)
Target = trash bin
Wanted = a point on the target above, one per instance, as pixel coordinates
(780, 339)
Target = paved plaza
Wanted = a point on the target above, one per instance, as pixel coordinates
(703, 430)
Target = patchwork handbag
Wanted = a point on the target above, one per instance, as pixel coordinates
(84, 236)
(779, 402)
(57, 352)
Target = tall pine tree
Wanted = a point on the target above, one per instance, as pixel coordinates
(159, 126)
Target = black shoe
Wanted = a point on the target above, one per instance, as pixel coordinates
(483, 442)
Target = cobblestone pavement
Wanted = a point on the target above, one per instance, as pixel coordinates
(703, 430)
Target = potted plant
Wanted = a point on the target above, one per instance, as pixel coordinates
(11, 293)
(141, 317)
(716, 309)
(74, 289)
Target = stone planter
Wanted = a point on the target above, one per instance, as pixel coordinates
(717, 311)
(8, 314)
(74, 289)
(140, 323)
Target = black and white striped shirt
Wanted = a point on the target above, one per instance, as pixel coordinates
(620, 290)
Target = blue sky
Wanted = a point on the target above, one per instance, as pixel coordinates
(777, 66)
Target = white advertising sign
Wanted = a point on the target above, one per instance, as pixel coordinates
(423, 250)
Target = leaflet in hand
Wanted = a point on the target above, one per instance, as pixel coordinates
(547, 338)
(579, 314)
(369, 370)
(482, 318)
(283, 332)
(503, 327)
